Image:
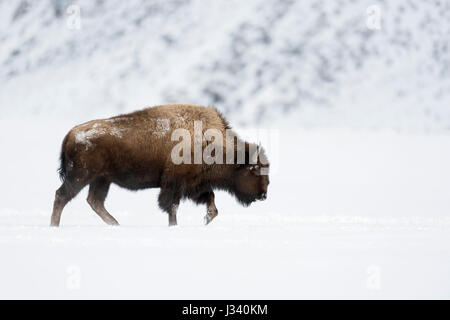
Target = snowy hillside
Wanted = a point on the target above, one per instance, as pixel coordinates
(256, 60)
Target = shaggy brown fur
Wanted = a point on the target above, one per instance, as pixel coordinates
(134, 152)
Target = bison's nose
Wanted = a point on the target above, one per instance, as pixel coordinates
(264, 196)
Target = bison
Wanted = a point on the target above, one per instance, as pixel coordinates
(142, 150)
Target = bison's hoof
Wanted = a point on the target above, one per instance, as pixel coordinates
(54, 224)
(112, 223)
(209, 217)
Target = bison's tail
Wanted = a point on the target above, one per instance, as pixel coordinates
(62, 158)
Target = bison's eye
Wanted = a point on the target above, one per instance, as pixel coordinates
(254, 169)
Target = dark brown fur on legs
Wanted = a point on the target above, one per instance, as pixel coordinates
(98, 190)
(168, 201)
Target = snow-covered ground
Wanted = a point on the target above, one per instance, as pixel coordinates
(349, 215)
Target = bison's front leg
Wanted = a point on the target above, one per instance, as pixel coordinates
(211, 210)
(208, 199)
(168, 201)
(173, 215)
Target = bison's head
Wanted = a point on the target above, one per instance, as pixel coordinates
(252, 178)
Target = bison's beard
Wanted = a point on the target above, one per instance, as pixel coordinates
(245, 199)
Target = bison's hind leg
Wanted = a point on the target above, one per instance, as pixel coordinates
(62, 196)
(98, 190)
